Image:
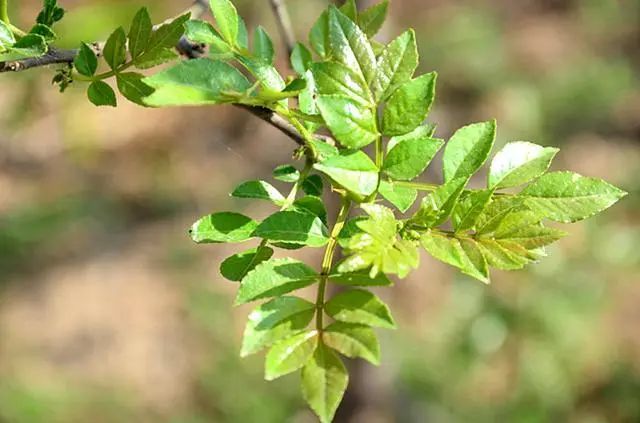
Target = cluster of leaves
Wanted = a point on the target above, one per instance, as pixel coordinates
(143, 47)
(16, 45)
(364, 94)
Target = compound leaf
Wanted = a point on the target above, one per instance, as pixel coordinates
(223, 227)
(324, 381)
(352, 170)
(236, 267)
(290, 354)
(353, 124)
(293, 227)
(360, 306)
(468, 149)
(518, 163)
(353, 340)
(408, 105)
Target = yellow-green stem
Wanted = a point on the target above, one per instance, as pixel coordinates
(327, 261)
(4, 11)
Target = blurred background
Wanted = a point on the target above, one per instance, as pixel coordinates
(108, 312)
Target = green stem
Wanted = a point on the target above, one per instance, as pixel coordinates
(415, 185)
(4, 11)
(327, 261)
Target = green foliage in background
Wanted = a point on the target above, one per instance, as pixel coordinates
(367, 96)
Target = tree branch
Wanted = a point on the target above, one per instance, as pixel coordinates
(284, 24)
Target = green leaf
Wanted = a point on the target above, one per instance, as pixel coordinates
(50, 13)
(437, 206)
(273, 278)
(260, 190)
(471, 205)
(86, 62)
(313, 185)
(132, 86)
(223, 227)
(286, 173)
(371, 19)
(31, 45)
(409, 155)
(468, 149)
(101, 94)
(353, 340)
(396, 65)
(293, 227)
(263, 46)
(319, 35)
(243, 34)
(350, 123)
(227, 19)
(350, 46)
(301, 59)
(324, 381)
(569, 197)
(408, 105)
(162, 42)
(236, 267)
(203, 32)
(44, 31)
(378, 246)
(278, 319)
(313, 205)
(462, 253)
(352, 170)
(518, 163)
(140, 33)
(115, 49)
(359, 278)
(333, 78)
(6, 36)
(290, 354)
(350, 10)
(195, 82)
(401, 197)
(360, 306)
(266, 74)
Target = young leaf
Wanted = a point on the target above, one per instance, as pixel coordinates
(396, 65)
(195, 82)
(324, 381)
(101, 94)
(360, 306)
(86, 62)
(569, 197)
(359, 278)
(468, 149)
(132, 86)
(469, 208)
(350, 46)
(350, 10)
(31, 45)
(236, 267)
(351, 123)
(378, 246)
(140, 33)
(6, 36)
(263, 46)
(227, 19)
(115, 49)
(408, 105)
(401, 197)
(290, 354)
(301, 59)
(162, 41)
(462, 253)
(280, 318)
(352, 170)
(518, 163)
(294, 227)
(204, 32)
(50, 13)
(437, 206)
(333, 78)
(223, 227)
(353, 340)
(44, 31)
(259, 190)
(371, 19)
(410, 155)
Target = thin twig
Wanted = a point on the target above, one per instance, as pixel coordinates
(284, 24)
